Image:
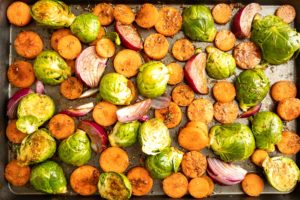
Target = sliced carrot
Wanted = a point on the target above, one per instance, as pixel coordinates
(105, 48)
(253, 185)
(175, 185)
(13, 134)
(16, 174)
(147, 16)
(61, 126)
(104, 113)
(105, 13)
(71, 88)
(225, 40)
(226, 113)
(140, 180)
(99, 36)
(289, 109)
(289, 143)
(133, 90)
(183, 95)
(283, 90)
(169, 21)
(259, 156)
(57, 35)
(197, 124)
(69, 47)
(28, 44)
(171, 115)
(192, 139)
(114, 159)
(183, 49)
(224, 91)
(127, 62)
(286, 12)
(84, 180)
(193, 164)
(221, 13)
(18, 13)
(156, 46)
(21, 74)
(211, 184)
(176, 73)
(199, 187)
(71, 64)
(124, 14)
(201, 110)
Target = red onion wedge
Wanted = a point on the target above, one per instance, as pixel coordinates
(89, 93)
(39, 87)
(252, 111)
(161, 102)
(144, 118)
(134, 112)
(14, 100)
(129, 36)
(96, 133)
(90, 67)
(242, 21)
(79, 111)
(194, 73)
(225, 173)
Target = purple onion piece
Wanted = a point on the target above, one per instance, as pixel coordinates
(79, 111)
(251, 111)
(39, 87)
(161, 102)
(144, 118)
(89, 93)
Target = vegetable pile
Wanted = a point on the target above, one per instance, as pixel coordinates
(121, 100)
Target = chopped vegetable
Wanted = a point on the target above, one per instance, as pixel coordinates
(79, 111)
(123, 14)
(16, 174)
(169, 21)
(171, 115)
(253, 185)
(161, 102)
(61, 126)
(28, 44)
(71, 88)
(259, 156)
(193, 139)
(289, 143)
(183, 49)
(226, 113)
(176, 73)
(140, 180)
(13, 134)
(105, 48)
(225, 40)
(251, 111)
(20, 74)
(18, 13)
(286, 12)
(175, 185)
(289, 109)
(183, 95)
(201, 110)
(199, 188)
(57, 35)
(221, 13)
(69, 47)
(283, 89)
(147, 16)
(129, 36)
(224, 91)
(104, 113)
(156, 46)
(247, 55)
(193, 164)
(105, 13)
(114, 159)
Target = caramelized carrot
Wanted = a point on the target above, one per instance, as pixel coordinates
(105, 48)
(169, 21)
(253, 185)
(18, 13)
(16, 174)
(57, 35)
(140, 180)
(114, 159)
(105, 13)
(104, 113)
(21, 74)
(61, 126)
(147, 16)
(124, 14)
(175, 185)
(183, 95)
(71, 88)
(156, 46)
(183, 49)
(171, 115)
(28, 44)
(176, 73)
(69, 47)
(192, 139)
(13, 134)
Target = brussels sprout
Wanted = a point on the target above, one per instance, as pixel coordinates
(48, 177)
(114, 186)
(52, 13)
(76, 149)
(36, 148)
(50, 68)
(252, 87)
(198, 23)
(86, 27)
(219, 65)
(164, 163)
(152, 79)
(33, 111)
(282, 173)
(154, 136)
(114, 89)
(267, 129)
(276, 39)
(124, 134)
(232, 142)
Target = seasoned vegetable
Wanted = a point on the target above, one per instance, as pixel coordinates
(175, 185)
(16, 174)
(104, 113)
(259, 156)
(61, 126)
(13, 134)
(289, 109)
(114, 159)
(283, 89)
(183, 95)
(69, 47)
(286, 12)
(176, 73)
(156, 46)
(201, 110)
(171, 115)
(18, 13)
(193, 164)
(105, 13)
(28, 44)
(226, 113)
(224, 91)
(221, 13)
(169, 21)
(199, 188)
(193, 139)
(127, 62)
(123, 14)
(225, 40)
(20, 74)
(57, 35)
(105, 48)
(183, 49)
(253, 185)
(289, 143)
(140, 180)
(247, 55)
(147, 16)
(71, 88)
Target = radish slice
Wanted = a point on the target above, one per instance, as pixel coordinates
(79, 111)
(252, 111)
(89, 93)
(161, 102)
(96, 133)
(39, 87)
(129, 36)
(90, 67)
(14, 100)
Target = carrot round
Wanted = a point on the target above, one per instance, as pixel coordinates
(192, 139)
(193, 164)
(199, 187)
(176, 73)
(69, 47)
(224, 91)
(147, 16)
(283, 90)
(133, 90)
(84, 180)
(183, 95)
(71, 64)
(175, 185)
(28, 44)
(16, 174)
(197, 124)
(289, 109)
(18, 13)
(61, 126)
(57, 35)
(225, 40)
(156, 46)
(105, 48)
(114, 159)
(124, 14)
(226, 113)
(13, 134)
(140, 180)
(211, 184)
(221, 13)
(287, 13)
(169, 21)
(71, 88)
(289, 143)
(253, 185)
(127, 62)
(171, 115)
(21, 74)
(259, 156)
(201, 110)
(99, 36)
(104, 113)
(183, 49)
(105, 13)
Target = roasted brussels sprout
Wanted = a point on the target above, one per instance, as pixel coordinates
(36, 147)
(86, 27)
(252, 86)
(267, 129)
(154, 136)
(232, 142)
(219, 65)
(52, 13)
(282, 173)
(198, 23)
(48, 177)
(114, 186)
(124, 134)
(152, 79)
(276, 39)
(33, 111)
(164, 163)
(50, 68)
(76, 149)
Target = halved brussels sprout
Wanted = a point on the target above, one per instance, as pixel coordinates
(50, 68)
(36, 147)
(124, 134)
(33, 111)
(86, 27)
(114, 186)
(152, 79)
(48, 177)
(267, 130)
(232, 142)
(76, 149)
(282, 173)
(154, 136)
(164, 163)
